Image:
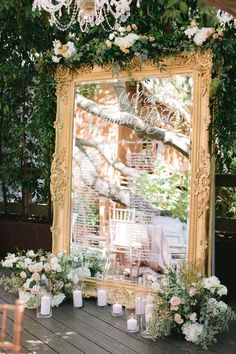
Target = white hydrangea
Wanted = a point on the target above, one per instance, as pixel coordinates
(211, 283)
(57, 299)
(191, 31)
(202, 34)
(192, 331)
(84, 272)
(126, 41)
(8, 263)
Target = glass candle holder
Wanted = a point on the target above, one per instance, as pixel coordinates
(132, 324)
(44, 301)
(139, 310)
(101, 297)
(78, 298)
(149, 309)
(117, 309)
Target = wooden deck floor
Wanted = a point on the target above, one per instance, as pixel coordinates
(93, 330)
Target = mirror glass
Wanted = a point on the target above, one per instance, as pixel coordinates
(131, 173)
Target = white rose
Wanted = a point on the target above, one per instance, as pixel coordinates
(30, 253)
(111, 36)
(23, 275)
(193, 317)
(222, 291)
(56, 59)
(192, 291)
(178, 319)
(27, 262)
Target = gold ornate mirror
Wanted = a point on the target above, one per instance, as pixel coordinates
(131, 175)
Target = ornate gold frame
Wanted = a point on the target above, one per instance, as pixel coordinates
(200, 228)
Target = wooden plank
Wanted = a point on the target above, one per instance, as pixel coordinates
(53, 340)
(86, 327)
(225, 180)
(139, 343)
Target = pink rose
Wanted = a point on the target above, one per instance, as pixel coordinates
(175, 301)
(47, 267)
(35, 276)
(23, 275)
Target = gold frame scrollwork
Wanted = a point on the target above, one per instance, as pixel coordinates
(200, 216)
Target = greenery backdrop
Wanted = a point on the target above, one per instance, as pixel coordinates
(27, 101)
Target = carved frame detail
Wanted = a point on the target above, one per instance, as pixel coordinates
(200, 218)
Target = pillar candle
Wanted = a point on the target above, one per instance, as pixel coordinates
(138, 305)
(149, 309)
(101, 297)
(45, 305)
(117, 309)
(77, 298)
(132, 324)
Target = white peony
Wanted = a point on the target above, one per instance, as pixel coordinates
(126, 41)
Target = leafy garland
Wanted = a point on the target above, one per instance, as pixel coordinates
(159, 29)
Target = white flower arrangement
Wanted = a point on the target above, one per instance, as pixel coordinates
(198, 35)
(193, 309)
(61, 272)
(124, 38)
(66, 51)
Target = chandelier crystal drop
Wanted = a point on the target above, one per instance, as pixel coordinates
(88, 13)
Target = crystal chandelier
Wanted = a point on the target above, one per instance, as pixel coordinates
(88, 13)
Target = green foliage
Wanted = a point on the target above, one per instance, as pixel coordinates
(226, 202)
(27, 104)
(166, 191)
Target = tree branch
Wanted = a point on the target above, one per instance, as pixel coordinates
(111, 114)
(117, 165)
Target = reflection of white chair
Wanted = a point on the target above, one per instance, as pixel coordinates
(173, 230)
(122, 242)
